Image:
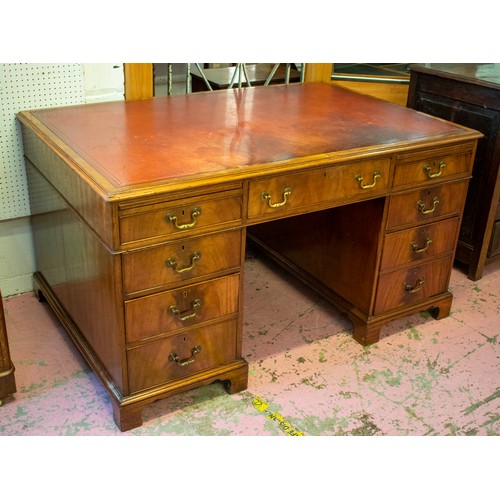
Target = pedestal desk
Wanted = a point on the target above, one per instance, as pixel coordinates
(141, 212)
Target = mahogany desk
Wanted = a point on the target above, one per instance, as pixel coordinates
(141, 211)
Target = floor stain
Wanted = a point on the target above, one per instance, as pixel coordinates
(475, 406)
(367, 427)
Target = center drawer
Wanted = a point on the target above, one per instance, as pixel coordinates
(294, 193)
(181, 308)
(180, 261)
(176, 357)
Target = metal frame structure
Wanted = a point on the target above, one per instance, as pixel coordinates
(240, 76)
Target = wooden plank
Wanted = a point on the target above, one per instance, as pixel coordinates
(138, 81)
(318, 72)
(392, 92)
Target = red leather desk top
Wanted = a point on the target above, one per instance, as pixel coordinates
(167, 138)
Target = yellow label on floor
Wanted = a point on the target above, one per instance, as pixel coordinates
(283, 424)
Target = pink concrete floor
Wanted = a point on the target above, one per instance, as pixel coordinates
(307, 375)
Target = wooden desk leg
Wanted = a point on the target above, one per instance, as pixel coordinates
(7, 381)
(368, 332)
(238, 382)
(441, 309)
(7, 384)
(127, 417)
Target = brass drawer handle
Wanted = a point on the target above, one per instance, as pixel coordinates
(416, 287)
(427, 170)
(421, 206)
(286, 193)
(184, 362)
(358, 178)
(188, 314)
(415, 248)
(171, 262)
(195, 213)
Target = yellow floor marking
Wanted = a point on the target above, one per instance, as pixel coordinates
(283, 424)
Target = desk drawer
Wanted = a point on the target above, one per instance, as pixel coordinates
(419, 243)
(182, 355)
(181, 308)
(424, 205)
(181, 218)
(296, 192)
(411, 285)
(433, 169)
(180, 261)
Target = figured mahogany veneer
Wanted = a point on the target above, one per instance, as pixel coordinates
(148, 224)
(418, 243)
(141, 213)
(316, 188)
(148, 364)
(425, 204)
(168, 265)
(170, 311)
(428, 169)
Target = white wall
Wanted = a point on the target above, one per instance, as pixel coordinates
(101, 82)
(17, 260)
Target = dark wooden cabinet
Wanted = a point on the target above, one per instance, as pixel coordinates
(469, 94)
(7, 381)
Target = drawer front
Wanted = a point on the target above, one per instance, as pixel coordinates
(429, 170)
(295, 192)
(180, 219)
(411, 285)
(424, 205)
(419, 243)
(182, 355)
(180, 261)
(181, 308)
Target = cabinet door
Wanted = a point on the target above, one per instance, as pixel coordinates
(479, 118)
